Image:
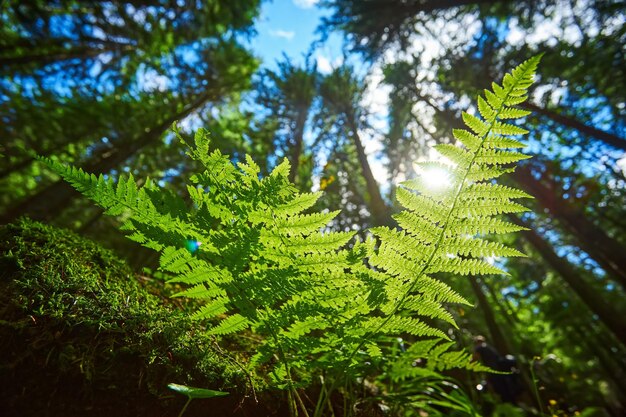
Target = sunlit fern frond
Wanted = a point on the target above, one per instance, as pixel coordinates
(444, 227)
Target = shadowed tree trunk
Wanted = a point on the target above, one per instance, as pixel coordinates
(298, 139)
(497, 337)
(606, 137)
(498, 300)
(44, 58)
(607, 313)
(288, 93)
(380, 211)
(24, 163)
(604, 249)
(27, 161)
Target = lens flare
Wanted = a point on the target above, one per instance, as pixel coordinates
(192, 245)
(436, 178)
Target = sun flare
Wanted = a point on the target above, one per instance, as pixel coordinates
(436, 178)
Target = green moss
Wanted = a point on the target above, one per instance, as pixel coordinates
(80, 333)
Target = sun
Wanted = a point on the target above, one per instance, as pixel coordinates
(436, 178)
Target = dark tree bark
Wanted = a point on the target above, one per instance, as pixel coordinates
(41, 59)
(298, 138)
(604, 249)
(377, 205)
(606, 137)
(497, 337)
(27, 161)
(496, 299)
(17, 166)
(63, 54)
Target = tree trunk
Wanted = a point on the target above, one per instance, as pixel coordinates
(511, 320)
(497, 337)
(605, 250)
(606, 137)
(17, 167)
(47, 203)
(27, 161)
(64, 54)
(296, 151)
(610, 316)
(378, 207)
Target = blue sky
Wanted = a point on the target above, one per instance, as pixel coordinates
(289, 26)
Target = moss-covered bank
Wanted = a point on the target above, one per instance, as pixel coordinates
(81, 336)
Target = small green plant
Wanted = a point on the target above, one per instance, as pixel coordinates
(194, 393)
(325, 304)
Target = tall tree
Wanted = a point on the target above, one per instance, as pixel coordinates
(606, 250)
(579, 123)
(341, 112)
(191, 60)
(109, 39)
(498, 338)
(374, 25)
(288, 94)
(602, 247)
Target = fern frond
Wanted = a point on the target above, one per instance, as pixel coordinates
(443, 231)
(231, 324)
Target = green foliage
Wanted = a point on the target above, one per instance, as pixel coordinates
(258, 256)
(28, 48)
(55, 73)
(192, 392)
(247, 248)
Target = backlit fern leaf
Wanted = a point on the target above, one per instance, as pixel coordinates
(244, 247)
(428, 357)
(443, 230)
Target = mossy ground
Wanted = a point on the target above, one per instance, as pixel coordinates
(82, 336)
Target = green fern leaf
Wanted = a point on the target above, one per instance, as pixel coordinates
(439, 229)
(229, 325)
